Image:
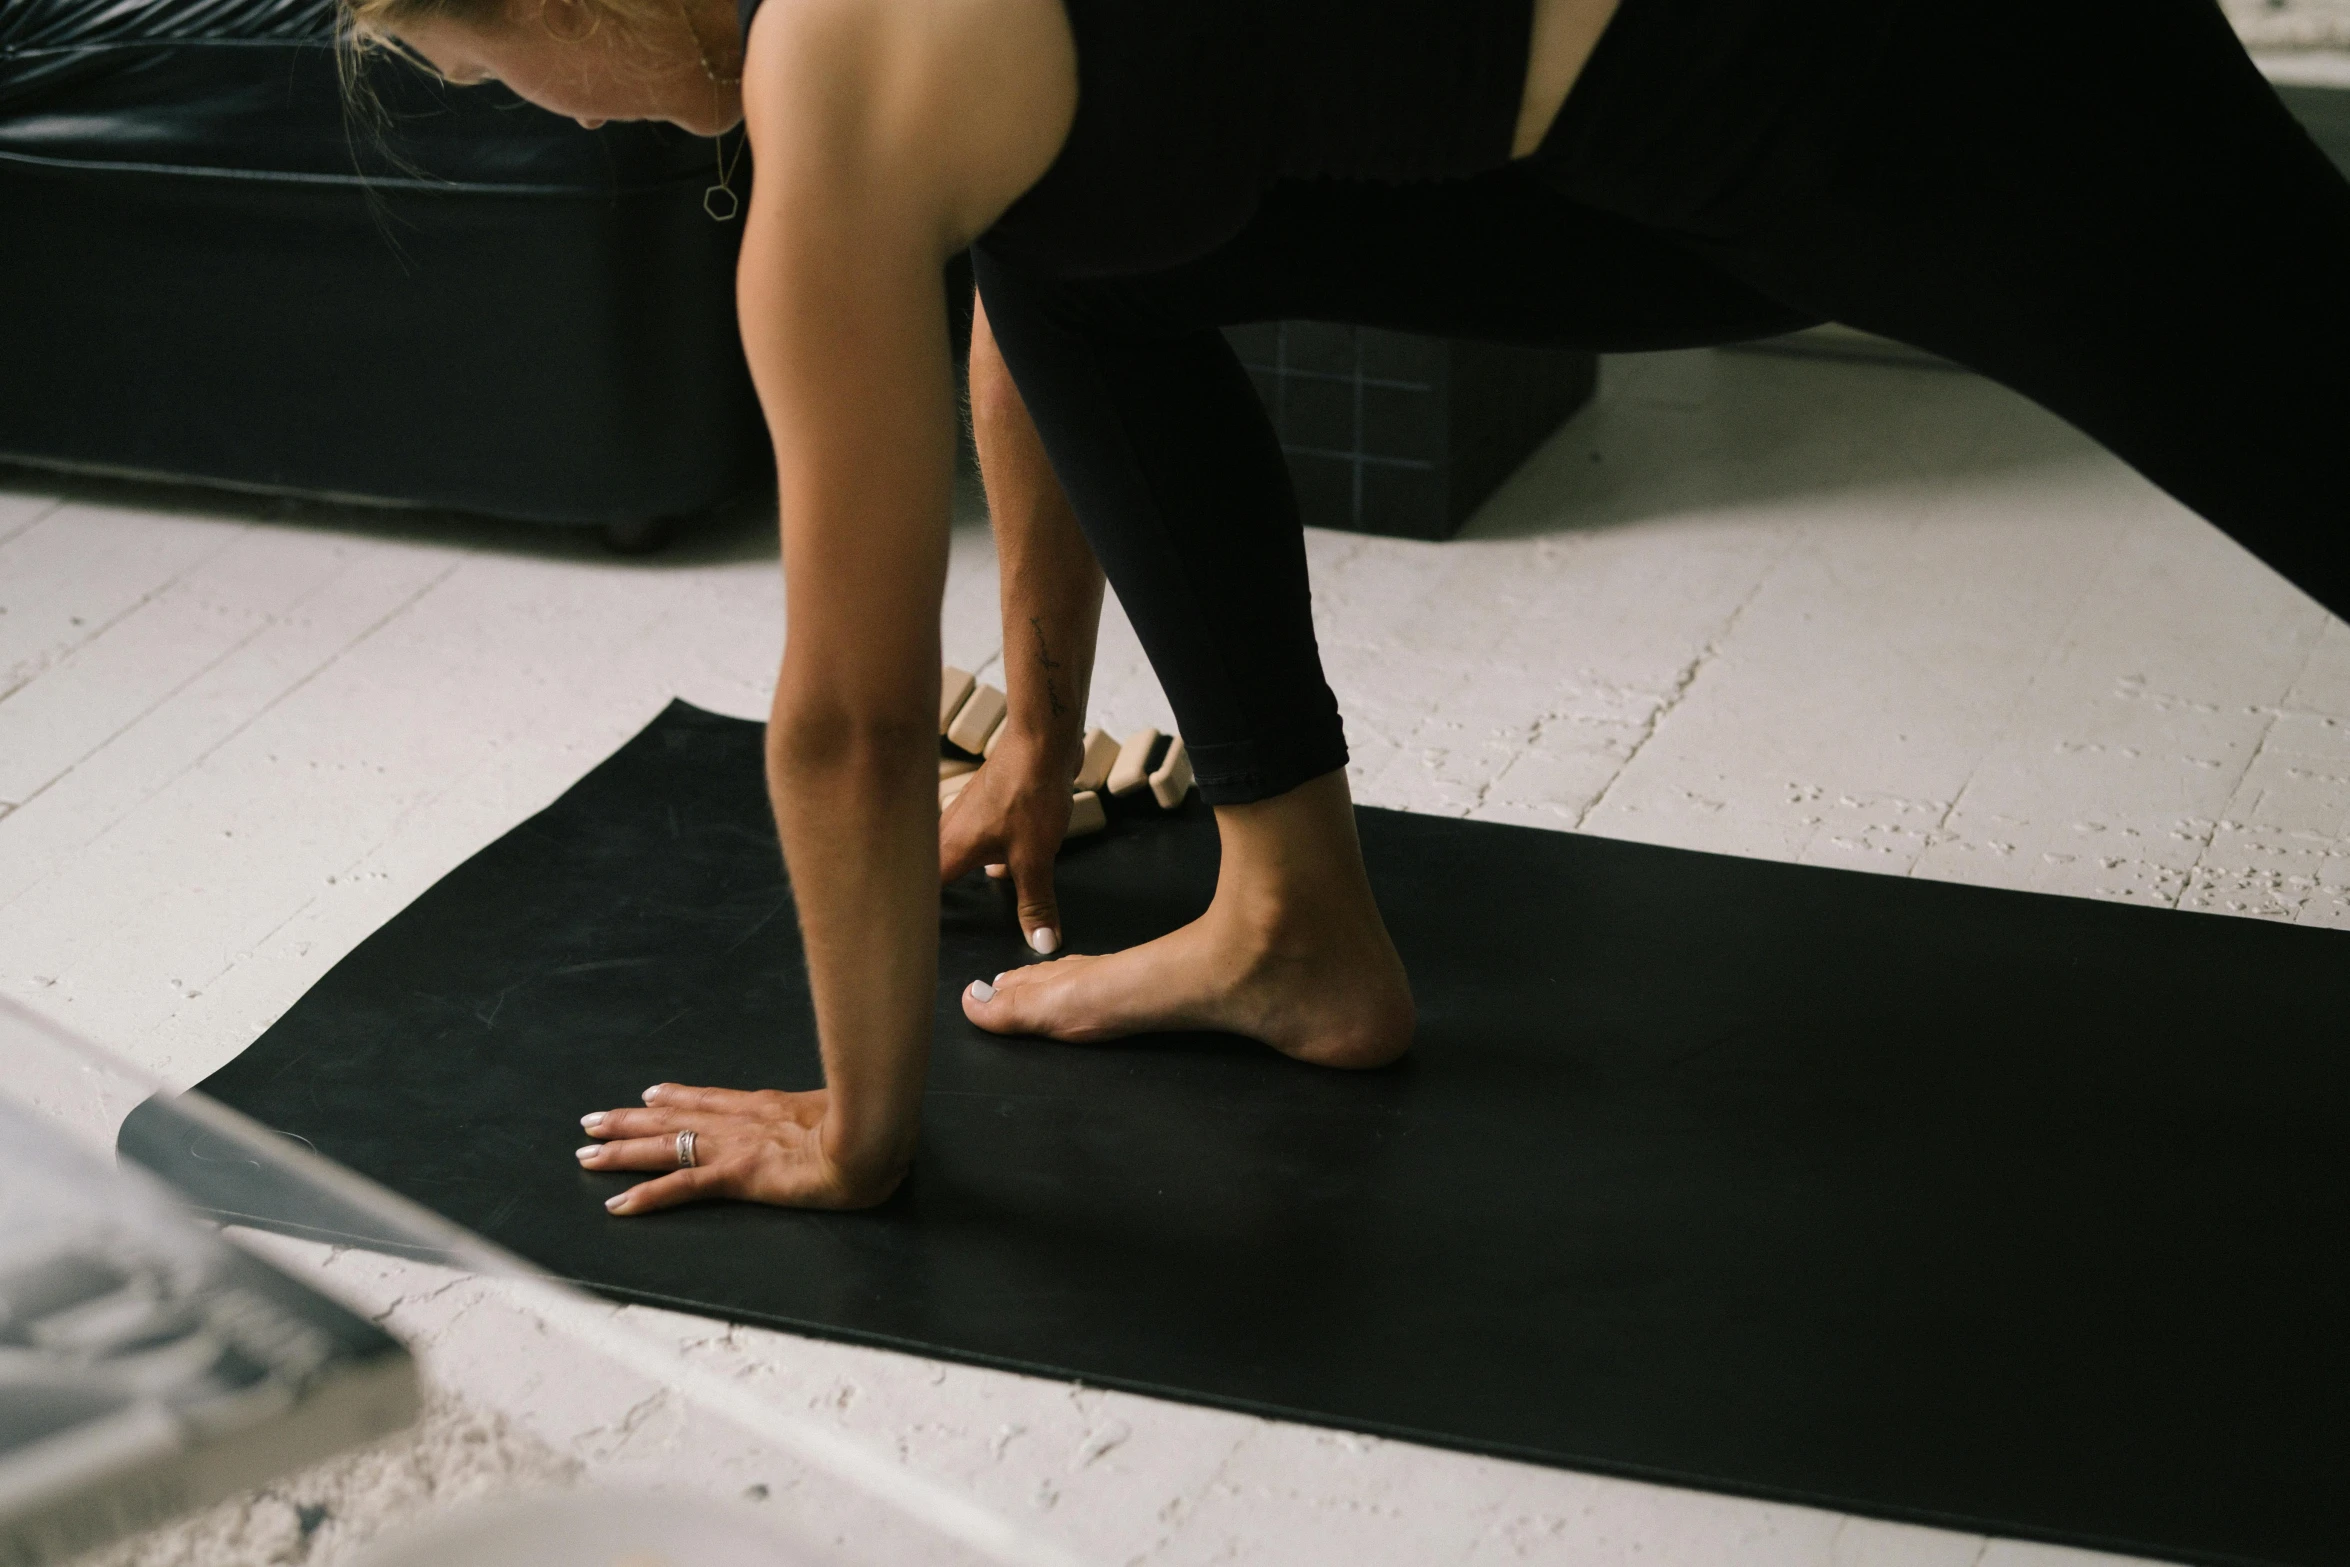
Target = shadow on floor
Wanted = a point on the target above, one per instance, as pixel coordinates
(742, 529)
(1733, 432)
(1720, 432)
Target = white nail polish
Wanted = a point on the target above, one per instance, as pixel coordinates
(612, 1204)
(1045, 940)
(981, 990)
(588, 1123)
(589, 1152)
(650, 1092)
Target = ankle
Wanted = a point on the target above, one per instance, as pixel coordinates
(1262, 916)
(1292, 878)
(1265, 932)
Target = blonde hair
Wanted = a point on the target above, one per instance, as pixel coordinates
(369, 24)
(369, 28)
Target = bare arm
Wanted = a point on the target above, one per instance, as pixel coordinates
(1051, 585)
(1018, 809)
(852, 367)
(883, 143)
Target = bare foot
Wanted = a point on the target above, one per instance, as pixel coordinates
(1319, 996)
(1292, 951)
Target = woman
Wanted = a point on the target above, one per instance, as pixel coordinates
(2098, 202)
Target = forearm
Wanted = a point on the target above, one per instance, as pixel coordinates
(865, 462)
(852, 751)
(856, 807)
(1051, 585)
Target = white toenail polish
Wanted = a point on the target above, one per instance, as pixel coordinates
(1044, 941)
(588, 1123)
(981, 990)
(589, 1152)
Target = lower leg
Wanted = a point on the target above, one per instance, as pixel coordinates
(1291, 951)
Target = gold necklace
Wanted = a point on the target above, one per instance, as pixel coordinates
(703, 50)
(724, 211)
(719, 200)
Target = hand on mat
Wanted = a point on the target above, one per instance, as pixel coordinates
(760, 1146)
(1011, 818)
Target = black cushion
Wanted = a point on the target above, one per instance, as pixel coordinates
(213, 268)
(249, 88)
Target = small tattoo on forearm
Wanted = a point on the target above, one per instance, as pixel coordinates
(1046, 662)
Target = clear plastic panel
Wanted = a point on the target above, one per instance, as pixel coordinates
(54, 1088)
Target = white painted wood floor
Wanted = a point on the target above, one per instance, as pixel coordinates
(1847, 614)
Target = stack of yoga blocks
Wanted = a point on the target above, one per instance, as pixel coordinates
(971, 722)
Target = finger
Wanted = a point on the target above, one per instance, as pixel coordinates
(1032, 885)
(652, 1121)
(679, 1186)
(648, 1122)
(641, 1153)
(684, 1096)
(998, 872)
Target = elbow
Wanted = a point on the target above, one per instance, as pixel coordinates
(819, 734)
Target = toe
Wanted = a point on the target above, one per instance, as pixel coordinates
(1010, 1003)
(987, 1002)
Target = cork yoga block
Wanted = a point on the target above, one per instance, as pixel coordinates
(954, 688)
(1101, 754)
(1171, 779)
(982, 712)
(1131, 770)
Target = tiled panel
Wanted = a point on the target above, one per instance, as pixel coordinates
(1318, 414)
(1318, 347)
(1397, 499)
(1403, 356)
(1401, 422)
(1420, 429)
(1325, 484)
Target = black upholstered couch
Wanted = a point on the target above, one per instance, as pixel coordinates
(209, 271)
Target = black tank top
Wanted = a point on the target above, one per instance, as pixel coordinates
(1188, 109)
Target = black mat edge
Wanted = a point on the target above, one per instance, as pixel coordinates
(1676, 1479)
(1688, 1480)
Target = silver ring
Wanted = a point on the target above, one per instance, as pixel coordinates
(685, 1150)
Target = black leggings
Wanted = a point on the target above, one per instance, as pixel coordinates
(2099, 203)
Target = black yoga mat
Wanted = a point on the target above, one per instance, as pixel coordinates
(2013, 1213)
